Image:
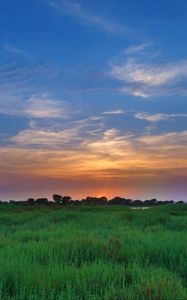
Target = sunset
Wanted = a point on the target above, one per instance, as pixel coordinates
(93, 150)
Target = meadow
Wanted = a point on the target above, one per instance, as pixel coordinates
(93, 253)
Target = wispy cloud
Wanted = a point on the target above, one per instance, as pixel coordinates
(18, 78)
(45, 106)
(136, 90)
(23, 89)
(76, 10)
(114, 112)
(134, 49)
(110, 154)
(37, 106)
(55, 134)
(150, 74)
(157, 117)
(106, 156)
(13, 49)
(44, 137)
(146, 76)
(171, 141)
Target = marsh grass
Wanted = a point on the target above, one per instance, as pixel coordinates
(93, 253)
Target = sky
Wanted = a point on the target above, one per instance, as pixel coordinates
(93, 98)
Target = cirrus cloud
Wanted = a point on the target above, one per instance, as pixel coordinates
(157, 117)
(146, 77)
(75, 9)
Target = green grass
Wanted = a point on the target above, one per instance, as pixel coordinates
(93, 253)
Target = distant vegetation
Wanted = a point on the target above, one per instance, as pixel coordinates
(67, 200)
(92, 252)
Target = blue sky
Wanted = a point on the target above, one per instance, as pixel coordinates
(93, 98)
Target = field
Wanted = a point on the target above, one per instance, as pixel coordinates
(93, 253)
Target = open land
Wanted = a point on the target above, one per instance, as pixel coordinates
(93, 253)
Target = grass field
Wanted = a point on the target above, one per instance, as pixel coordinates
(93, 253)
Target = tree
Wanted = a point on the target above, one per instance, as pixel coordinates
(153, 201)
(120, 201)
(137, 203)
(66, 200)
(30, 201)
(95, 200)
(180, 202)
(42, 201)
(12, 201)
(57, 198)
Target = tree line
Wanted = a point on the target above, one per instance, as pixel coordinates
(67, 200)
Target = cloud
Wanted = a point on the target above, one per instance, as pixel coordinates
(145, 78)
(19, 52)
(75, 9)
(23, 91)
(170, 140)
(133, 49)
(20, 79)
(44, 137)
(150, 75)
(114, 112)
(107, 156)
(56, 134)
(157, 117)
(38, 106)
(138, 91)
(11, 48)
(110, 143)
(44, 106)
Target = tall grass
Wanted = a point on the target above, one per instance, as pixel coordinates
(93, 253)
